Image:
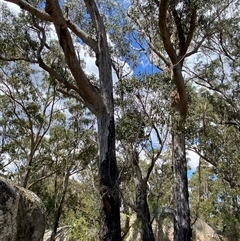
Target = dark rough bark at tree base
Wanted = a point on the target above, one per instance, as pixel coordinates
(143, 211)
(182, 226)
(141, 203)
(110, 212)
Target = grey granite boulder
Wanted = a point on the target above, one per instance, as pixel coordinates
(22, 214)
(164, 231)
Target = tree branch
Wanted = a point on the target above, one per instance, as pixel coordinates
(164, 31)
(190, 33)
(86, 90)
(70, 94)
(103, 57)
(81, 34)
(195, 50)
(148, 39)
(27, 6)
(179, 26)
(41, 63)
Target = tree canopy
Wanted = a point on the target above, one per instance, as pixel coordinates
(103, 103)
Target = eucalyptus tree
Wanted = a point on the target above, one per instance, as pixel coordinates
(212, 200)
(142, 134)
(217, 64)
(168, 27)
(217, 145)
(216, 70)
(27, 106)
(70, 148)
(28, 114)
(72, 27)
(174, 31)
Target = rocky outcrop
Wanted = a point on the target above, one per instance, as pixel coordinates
(163, 229)
(201, 232)
(22, 214)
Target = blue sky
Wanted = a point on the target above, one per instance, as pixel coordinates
(144, 67)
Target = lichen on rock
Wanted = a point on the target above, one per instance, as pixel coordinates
(22, 213)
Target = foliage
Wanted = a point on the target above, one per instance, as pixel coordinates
(130, 127)
(85, 221)
(26, 116)
(215, 186)
(48, 136)
(214, 201)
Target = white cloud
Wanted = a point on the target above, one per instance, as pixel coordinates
(13, 7)
(91, 67)
(193, 160)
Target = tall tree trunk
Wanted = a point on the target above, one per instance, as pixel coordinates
(182, 227)
(142, 208)
(108, 173)
(100, 104)
(110, 211)
(182, 221)
(177, 54)
(141, 203)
